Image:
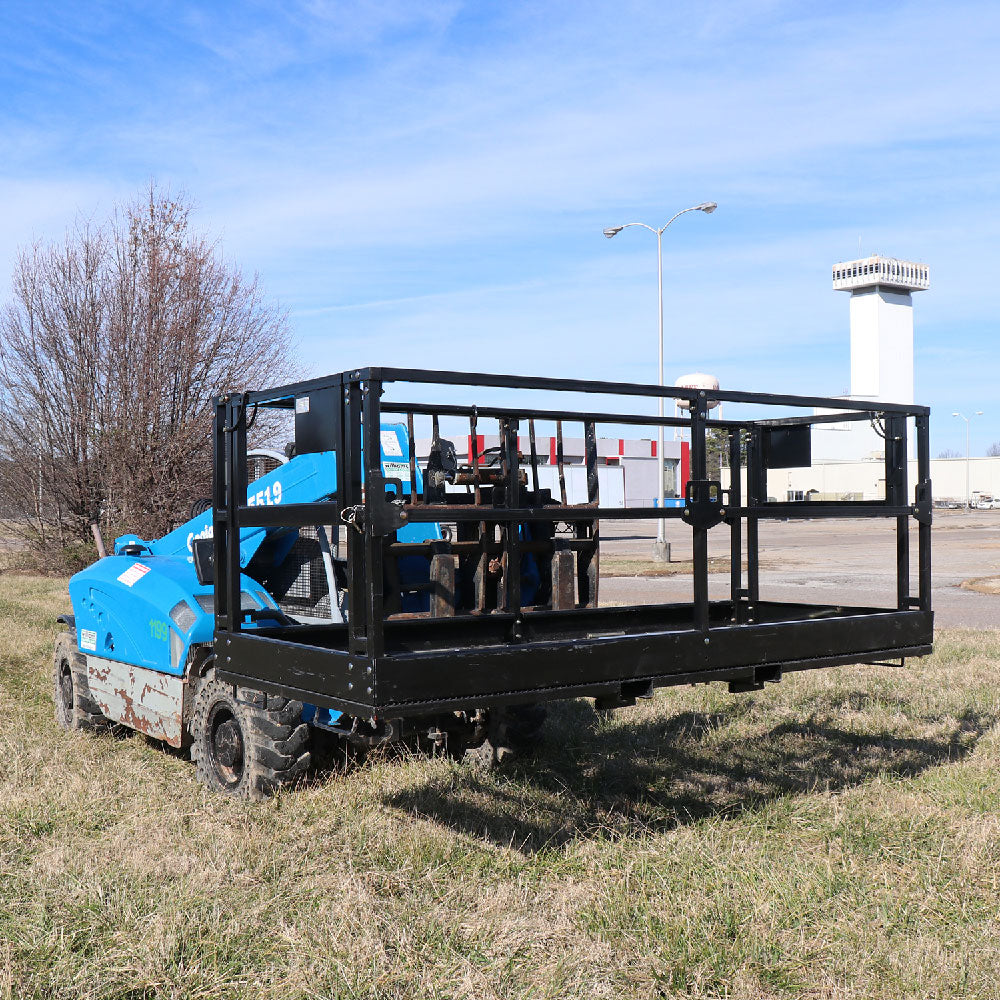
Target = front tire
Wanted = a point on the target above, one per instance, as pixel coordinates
(245, 743)
(75, 707)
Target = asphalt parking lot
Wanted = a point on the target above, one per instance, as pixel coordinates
(845, 561)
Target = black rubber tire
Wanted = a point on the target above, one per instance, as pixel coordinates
(524, 727)
(245, 743)
(509, 733)
(75, 707)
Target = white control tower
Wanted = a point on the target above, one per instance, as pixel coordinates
(881, 324)
(881, 346)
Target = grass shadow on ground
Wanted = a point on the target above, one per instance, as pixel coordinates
(597, 779)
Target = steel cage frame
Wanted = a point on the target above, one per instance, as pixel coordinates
(374, 665)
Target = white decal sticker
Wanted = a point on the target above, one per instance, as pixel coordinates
(302, 404)
(396, 470)
(390, 444)
(133, 574)
(267, 497)
(88, 639)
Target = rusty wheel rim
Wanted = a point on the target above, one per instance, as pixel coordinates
(66, 695)
(226, 746)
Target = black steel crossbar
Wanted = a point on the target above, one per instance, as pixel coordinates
(583, 416)
(817, 418)
(485, 380)
(290, 515)
(825, 508)
(557, 512)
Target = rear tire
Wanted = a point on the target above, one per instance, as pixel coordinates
(245, 743)
(75, 707)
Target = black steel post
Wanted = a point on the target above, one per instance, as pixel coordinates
(560, 463)
(924, 492)
(412, 446)
(588, 559)
(735, 525)
(511, 586)
(699, 539)
(220, 510)
(756, 487)
(356, 568)
(895, 496)
(237, 497)
(534, 457)
(371, 392)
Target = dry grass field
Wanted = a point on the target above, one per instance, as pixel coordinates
(837, 835)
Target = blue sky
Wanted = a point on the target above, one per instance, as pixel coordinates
(425, 183)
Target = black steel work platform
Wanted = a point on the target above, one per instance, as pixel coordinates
(480, 644)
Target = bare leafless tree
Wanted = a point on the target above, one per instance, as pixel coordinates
(993, 451)
(111, 347)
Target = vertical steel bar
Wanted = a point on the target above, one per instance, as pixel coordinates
(755, 488)
(924, 529)
(474, 449)
(735, 525)
(338, 438)
(413, 458)
(560, 463)
(442, 578)
(588, 559)
(896, 495)
(534, 456)
(221, 528)
(371, 394)
(699, 541)
(237, 496)
(356, 567)
(512, 532)
(481, 575)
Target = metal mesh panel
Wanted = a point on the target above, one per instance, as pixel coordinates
(183, 615)
(248, 602)
(299, 583)
(176, 649)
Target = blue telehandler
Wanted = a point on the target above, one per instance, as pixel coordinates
(139, 646)
(357, 591)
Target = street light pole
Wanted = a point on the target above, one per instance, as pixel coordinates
(660, 550)
(968, 422)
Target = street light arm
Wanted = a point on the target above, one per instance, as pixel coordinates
(706, 206)
(683, 211)
(643, 224)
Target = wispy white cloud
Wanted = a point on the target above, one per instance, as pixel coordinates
(424, 181)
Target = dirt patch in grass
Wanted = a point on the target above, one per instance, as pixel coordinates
(982, 584)
(617, 566)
